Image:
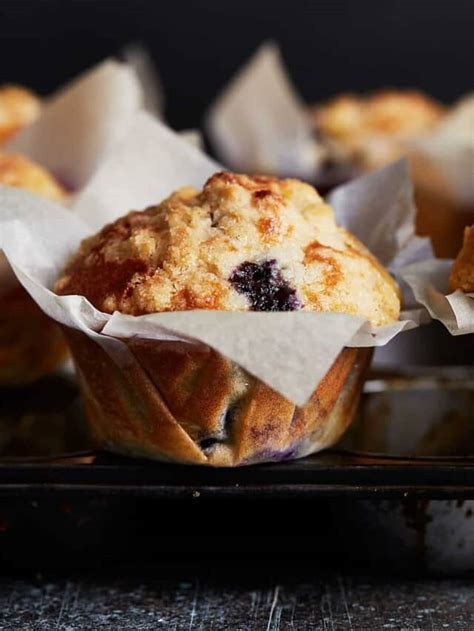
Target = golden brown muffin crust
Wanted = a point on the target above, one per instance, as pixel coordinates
(242, 243)
(21, 172)
(18, 107)
(371, 131)
(31, 345)
(382, 112)
(462, 273)
(401, 111)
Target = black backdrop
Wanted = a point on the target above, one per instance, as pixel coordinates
(329, 45)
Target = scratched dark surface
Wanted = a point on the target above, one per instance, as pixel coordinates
(331, 602)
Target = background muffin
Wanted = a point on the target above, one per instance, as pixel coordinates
(369, 132)
(368, 129)
(442, 167)
(17, 170)
(462, 274)
(242, 243)
(31, 344)
(18, 107)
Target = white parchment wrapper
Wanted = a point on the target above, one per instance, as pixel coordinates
(429, 281)
(447, 153)
(289, 351)
(143, 168)
(78, 124)
(259, 123)
(139, 59)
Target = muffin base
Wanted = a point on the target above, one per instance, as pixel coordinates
(181, 402)
(31, 344)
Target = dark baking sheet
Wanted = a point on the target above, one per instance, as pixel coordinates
(364, 509)
(429, 457)
(331, 473)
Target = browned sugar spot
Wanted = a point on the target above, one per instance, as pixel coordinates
(121, 230)
(103, 280)
(269, 227)
(314, 252)
(186, 300)
(250, 183)
(265, 179)
(312, 298)
(261, 194)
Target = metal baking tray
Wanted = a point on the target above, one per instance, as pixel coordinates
(414, 435)
(396, 493)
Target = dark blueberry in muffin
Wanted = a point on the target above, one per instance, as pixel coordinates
(265, 287)
(208, 442)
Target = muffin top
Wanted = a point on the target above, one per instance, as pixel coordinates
(363, 124)
(16, 170)
(242, 243)
(18, 107)
(384, 112)
(462, 273)
(456, 130)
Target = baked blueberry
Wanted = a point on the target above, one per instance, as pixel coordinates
(265, 287)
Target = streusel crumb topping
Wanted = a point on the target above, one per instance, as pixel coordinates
(242, 243)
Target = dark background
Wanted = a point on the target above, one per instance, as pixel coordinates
(329, 45)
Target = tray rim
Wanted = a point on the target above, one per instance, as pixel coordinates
(329, 474)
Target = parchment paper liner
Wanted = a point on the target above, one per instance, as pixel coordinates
(429, 281)
(186, 403)
(79, 123)
(443, 168)
(258, 123)
(289, 352)
(76, 128)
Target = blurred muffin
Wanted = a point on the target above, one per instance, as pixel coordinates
(462, 273)
(18, 107)
(442, 165)
(241, 244)
(31, 344)
(21, 172)
(370, 130)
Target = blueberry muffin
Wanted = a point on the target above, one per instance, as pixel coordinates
(18, 107)
(363, 133)
(31, 345)
(369, 131)
(462, 273)
(241, 244)
(442, 170)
